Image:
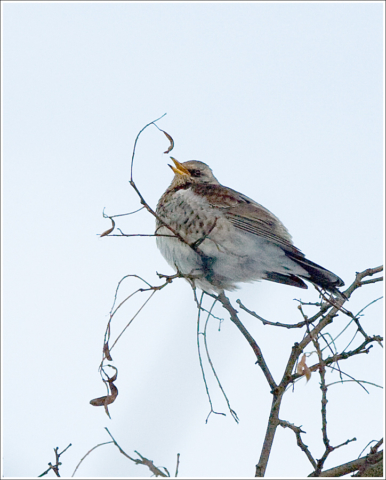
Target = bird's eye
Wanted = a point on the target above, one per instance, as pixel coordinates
(195, 173)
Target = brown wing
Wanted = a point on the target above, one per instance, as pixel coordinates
(247, 215)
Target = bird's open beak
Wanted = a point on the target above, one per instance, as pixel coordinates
(179, 169)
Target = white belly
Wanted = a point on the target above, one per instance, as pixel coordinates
(228, 256)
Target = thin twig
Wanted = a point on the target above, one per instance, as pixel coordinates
(267, 322)
(199, 306)
(88, 453)
(143, 461)
(55, 468)
(232, 412)
(178, 464)
(235, 319)
(299, 441)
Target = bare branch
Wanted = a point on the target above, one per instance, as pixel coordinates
(136, 141)
(350, 467)
(178, 464)
(88, 453)
(143, 461)
(267, 322)
(326, 315)
(55, 468)
(200, 309)
(323, 387)
(374, 280)
(358, 279)
(232, 412)
(299, 441)
(235, 319)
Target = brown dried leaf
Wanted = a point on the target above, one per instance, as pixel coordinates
(107, 399)
(106, 352)
(114, 377)
(303, 369)
(171, 146)
(98, 402)
(110, 229)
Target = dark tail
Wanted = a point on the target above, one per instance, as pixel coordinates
(317, 274)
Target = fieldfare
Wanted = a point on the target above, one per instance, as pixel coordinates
(219, 237)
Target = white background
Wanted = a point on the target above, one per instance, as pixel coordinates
(285, 102)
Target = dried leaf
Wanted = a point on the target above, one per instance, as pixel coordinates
(114, 377)
(107, 399)
(98, 402)
(110, 229)
(303, 369)
(171, 146)
(106, 352)
(111, 398)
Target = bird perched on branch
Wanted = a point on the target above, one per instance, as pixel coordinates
(219, 237)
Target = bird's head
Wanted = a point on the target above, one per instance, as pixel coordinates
(192, 171)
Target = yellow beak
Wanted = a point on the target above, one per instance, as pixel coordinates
(179, 169)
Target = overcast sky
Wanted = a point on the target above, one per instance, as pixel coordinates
(285, 102)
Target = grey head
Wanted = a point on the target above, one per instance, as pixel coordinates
(192, 171)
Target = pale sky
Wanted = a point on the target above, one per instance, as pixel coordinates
(285, 102)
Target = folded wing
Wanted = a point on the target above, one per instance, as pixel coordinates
(248, 216)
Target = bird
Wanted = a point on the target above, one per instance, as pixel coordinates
(219, 238)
